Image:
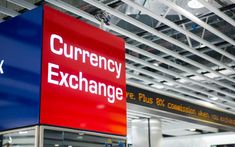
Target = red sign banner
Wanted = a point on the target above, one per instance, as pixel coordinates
(83, 76)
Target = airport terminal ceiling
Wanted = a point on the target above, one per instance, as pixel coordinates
(176, 50)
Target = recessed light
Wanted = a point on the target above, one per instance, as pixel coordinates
(156, 64)
(214, 98)
(197, 78)
(195, 4)
(211, 75)
(182, 80)
(56, 145)
(157, 86)
(192, 129)
(202, 45)
(226, 72)
(168, 83)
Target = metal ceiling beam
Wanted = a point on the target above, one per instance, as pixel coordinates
(217, 12)
(167, 38)
(23, 4)
(164, 16)
(73, 10)
(204, 50)
(158, 24)
(187, 37)
(169, 72)
(139, 7)
(179, 29)
(186, 20)
(192, 88)
(8, 12)
(197, 20)
(188, 54)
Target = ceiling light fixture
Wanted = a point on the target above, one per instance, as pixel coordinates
(156, 64)
(192, 129)
(211, 75)
(182, 80)
(202, 45)
(197, 78)
(214, 98)
(168, 83)
(157, 86)
(195, 4)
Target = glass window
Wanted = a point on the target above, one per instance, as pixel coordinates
(54, 138)
(24, 138)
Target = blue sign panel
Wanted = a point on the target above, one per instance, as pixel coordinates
(20, 70)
